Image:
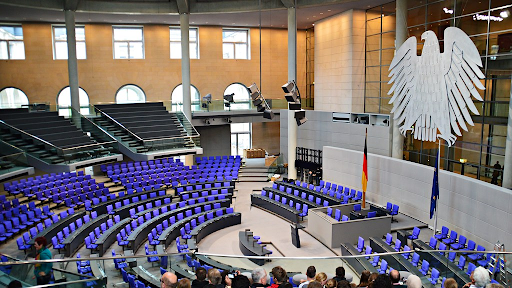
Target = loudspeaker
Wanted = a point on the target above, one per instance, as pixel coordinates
(257, 102)
(260, 108)
(300, 117)
(288, 87)
(268, 114)
(294, 106)
(291, 97)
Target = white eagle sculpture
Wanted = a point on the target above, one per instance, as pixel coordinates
(433, 91)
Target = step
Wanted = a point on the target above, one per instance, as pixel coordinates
(119, 133)
(252, 174)
(253, 179)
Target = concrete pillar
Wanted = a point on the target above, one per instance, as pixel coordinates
(292, 76)
(189, 160)
(401, 35)
(507, 166)
(72, 64)
(185, 65)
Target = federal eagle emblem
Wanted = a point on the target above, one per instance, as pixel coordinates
(432, 92)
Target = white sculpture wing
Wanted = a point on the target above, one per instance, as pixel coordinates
(461, 74)
(404, 75)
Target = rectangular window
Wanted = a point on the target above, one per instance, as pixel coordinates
(235, 44)
(240, 138)
(11, 42)
(175, 44)
(128, 42)
(60, 45)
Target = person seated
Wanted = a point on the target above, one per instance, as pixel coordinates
(200, 280)
(259, 278)
(450, 283)
(310, 276)
(279, 275)
(340, 274)
(395, 279)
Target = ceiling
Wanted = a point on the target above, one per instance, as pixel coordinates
(122, 12)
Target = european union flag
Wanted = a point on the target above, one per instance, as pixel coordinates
(435, 188)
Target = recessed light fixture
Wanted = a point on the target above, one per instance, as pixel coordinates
(321, 13)
(329, 10)
(504, 14)
(314, 16)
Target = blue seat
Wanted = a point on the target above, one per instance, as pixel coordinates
(375, 261)
(415, 233)
(415, 259)
(337, 214)
(344, 218)
(360, 244)
(444, 233)
(389, 239)
(424, 267)
(471, 247)
(477, 256)
(471, 268)
(460, 244)
(442, 246)
(451, 256)
(406, 249)
(371, 214)
(485, 261)
(357, 207)
(434, 276)
(462, 262)
(394, 212)
(432, 243)
(452, 239)
(329, 211)
(398, 245)
(383, 267)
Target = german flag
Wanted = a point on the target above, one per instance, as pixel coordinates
(364, 177)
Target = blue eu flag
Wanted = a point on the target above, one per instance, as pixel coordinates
(435, 188)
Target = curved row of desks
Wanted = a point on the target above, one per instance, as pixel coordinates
(76, 239)
(285, 211)
(211, 226)
(330, 199)
(359, 264)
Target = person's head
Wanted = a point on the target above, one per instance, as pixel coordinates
(321, 277)
(40, 242)
(169, 280)
(450, 283)
(15, 284)
(285, 285)
(214, 276)
(311, 272)
(481, 277)
(365, 275)
(343, 284)
(225, 278)
(184, 283)
(340, 272)
(279, 275)
(331, 283)
(259, 275)
(491, 285)
(382, 281)
(395, 276)
(200, 274)
(315, 284)
(240, 281)
(413, 281)
(372, 277)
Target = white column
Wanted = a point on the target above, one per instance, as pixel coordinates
(185, 65)
(292, 76)
(72, 63)
(401, 35)
(507, 166)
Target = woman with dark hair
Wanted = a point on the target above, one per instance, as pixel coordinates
(364, 279)
(184, 283)
(42, 271)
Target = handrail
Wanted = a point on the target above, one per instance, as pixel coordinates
(181, 112)
(12, 146)
(103, 113)
(20, 262)
(30, 135)
(94, 124)
(88, 145)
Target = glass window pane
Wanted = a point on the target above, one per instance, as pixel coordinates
(234, 36)
(136, 50)
(177, 98)
(130, 94)
(131, 34)
(12, 98)
(372, 105)
(373, 26)
(80, 34)
(11, 33)
(121, 50)
(175, 34)
(471, 26)
(175, 50)
(440, 10)
(500, 23)
(3, 50)
(373, 42)
(416, 16)
(233, 145)
(240, 127)
(228, 50)
(241, 51)
(80, 50)
(61, 50)
(244, 142)
(389, 22)
(193, 51)
(17, 49)
(476, 6)
(59, 33)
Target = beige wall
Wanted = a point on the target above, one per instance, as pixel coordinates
(266, 135)
(41, 77)
(339, 62)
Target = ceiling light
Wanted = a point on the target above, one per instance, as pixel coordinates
(321, 13)
(504, 14)
(329, 10)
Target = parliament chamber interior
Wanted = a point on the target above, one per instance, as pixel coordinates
(286, 167)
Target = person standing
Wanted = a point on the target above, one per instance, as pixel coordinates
(42, 271)
(496, 173)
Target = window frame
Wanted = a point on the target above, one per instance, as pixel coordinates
(195, 104)
(114, 41)
(54, 41)
(129, 84)
(248, 43)
(197, 54)
(13, 106)
(7, 41)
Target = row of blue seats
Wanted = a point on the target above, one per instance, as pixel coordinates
(168, 177)
(206, 193)
(17, 185)
(205, 186)
(58, 240)
(311, 197)
(113, 166)
(89, 206)
(301, 208)
(66, 184)
(218, 158)
(12, 223)
(334, 191)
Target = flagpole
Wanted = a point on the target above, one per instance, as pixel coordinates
(437, 200)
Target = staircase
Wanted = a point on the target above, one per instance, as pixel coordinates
(253, 174)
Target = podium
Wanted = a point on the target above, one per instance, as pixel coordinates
(295, 227)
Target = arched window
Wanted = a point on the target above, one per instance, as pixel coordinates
(241, 97)
(12, 98)
(177, 98)
(130, 94)
(64, 101)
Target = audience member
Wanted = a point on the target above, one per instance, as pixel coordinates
(184, 283)
(240, 281)
(343, 284)
(286, 285)
(321, 277)
(372, 278)
(382, 281)
(15, 284)
(495, 285)
(340, 274)
(42, 271)
(394, 275)
(215, 278)
(226, 281)
(413, 281)
(279, 276)
(259, 278)
(315, 284)
(331, 283)
(450, 283)
(169, 280)
(200, 280)
(310, 276)
(364, 279)
(479, 278)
